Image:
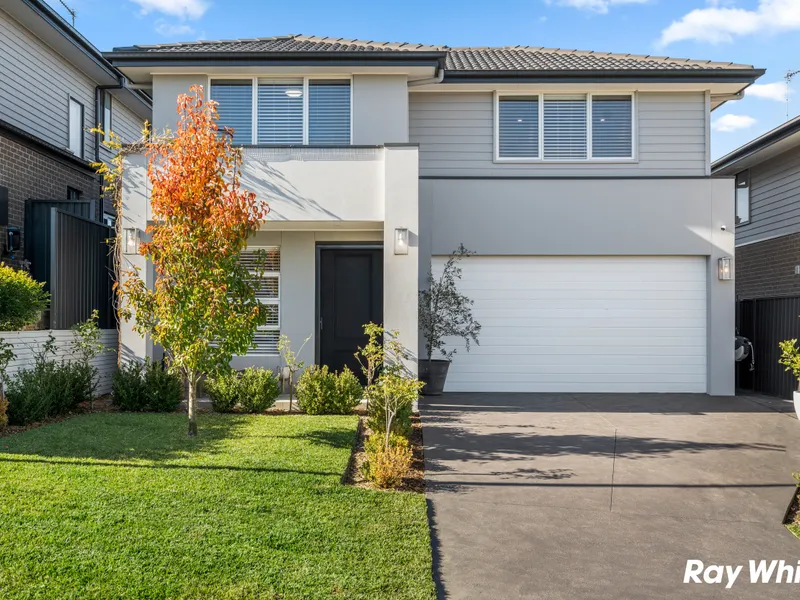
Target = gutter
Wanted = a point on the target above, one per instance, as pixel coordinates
(768, 139)
(438, 78)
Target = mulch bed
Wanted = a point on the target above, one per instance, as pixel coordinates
(101, 404)
(793, 514)
(414, 482)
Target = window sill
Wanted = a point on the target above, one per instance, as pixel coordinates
(585, 161)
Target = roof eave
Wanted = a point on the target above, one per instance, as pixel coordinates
(752, 148)
(570, 76)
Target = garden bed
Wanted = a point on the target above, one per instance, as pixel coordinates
(414, 482)
(792, 520)
(102, 404)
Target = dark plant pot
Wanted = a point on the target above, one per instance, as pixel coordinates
(433, 374)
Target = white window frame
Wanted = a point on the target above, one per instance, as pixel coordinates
(270, 301)
(746, 176)
(108, 116)
(540, 96)
(305, 79)
(82, 137)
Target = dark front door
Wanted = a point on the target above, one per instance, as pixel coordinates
(351, 294)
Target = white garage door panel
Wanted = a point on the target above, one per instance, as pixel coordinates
(584, 324)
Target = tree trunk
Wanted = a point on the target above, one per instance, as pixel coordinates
(192, 404)
(291, 388)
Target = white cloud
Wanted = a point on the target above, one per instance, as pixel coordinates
(727, 123)
(185, 9)
(771, 91)
(717, 24)
(597, 6)
(172, 29)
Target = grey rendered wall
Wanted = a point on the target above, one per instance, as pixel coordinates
(35, 86)
(380, 109)
(774, 199)
(592, 217)
(166, 89)
(455, 134)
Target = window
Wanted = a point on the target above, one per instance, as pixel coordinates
(572, 127)
(73, 194)
(267, 282)
(743, 197)
(109, 219)
(76, 127)
(285, 111)
(107, 125)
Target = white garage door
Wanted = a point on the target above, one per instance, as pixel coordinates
(584, 324)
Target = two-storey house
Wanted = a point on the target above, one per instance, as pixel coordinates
(766, 172)
(580, 179)
(54, 87)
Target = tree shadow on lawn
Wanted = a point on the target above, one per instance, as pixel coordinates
(127, 438)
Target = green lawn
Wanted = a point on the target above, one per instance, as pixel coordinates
(122, 505)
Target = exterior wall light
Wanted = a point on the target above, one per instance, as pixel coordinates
(724, 266)
(401, 240)
(130, 240)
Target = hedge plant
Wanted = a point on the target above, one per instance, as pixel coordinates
(323, 392)
(22, 299)
(253, 390)
(147, 386)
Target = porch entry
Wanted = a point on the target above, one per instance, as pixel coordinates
(350, 294)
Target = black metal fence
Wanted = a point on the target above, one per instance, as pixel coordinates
(765, 322)
(81, 271)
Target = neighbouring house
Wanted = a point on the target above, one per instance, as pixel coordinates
(766, 172)
(54, 87)
(582, 180)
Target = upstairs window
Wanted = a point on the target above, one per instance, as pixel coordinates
(75, 127)
(564, 128)
(285, 111)
(743, 197)
(107, 125)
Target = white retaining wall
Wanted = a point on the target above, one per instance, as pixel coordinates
(26, 343)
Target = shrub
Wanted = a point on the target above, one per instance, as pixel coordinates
(386, 467)
(163, 389)
(127, 387)
(320, 392)
(253, 390)
(392, 401)
(22, 299)
(223, 389)
(316, 389)
(146, 386)
(3, 411)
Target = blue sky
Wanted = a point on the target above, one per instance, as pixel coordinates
(765, 33)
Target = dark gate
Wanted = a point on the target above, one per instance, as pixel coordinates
(37, 232)
(765, 322)
(81, 271)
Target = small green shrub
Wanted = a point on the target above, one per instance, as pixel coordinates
(259, 388)
(223, 389)
(22, 299)
(3, 411)
(47, 390)
(386, 467)
(164, 390)
(146, 386)
(320, 392)
(253, 390)
(393, 399)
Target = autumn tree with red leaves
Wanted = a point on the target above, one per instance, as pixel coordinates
(203, 308)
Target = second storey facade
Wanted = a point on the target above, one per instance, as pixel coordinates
(580, 180)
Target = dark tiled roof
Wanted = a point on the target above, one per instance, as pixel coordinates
(286, 43)
(516, 58)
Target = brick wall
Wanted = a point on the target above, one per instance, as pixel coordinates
(766, 269)
(31, 173)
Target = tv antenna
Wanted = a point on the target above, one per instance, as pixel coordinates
(72, 12)
(788, 78)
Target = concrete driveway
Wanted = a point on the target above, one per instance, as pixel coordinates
(606, 496)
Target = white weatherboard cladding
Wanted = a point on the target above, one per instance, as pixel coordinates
(583, 324)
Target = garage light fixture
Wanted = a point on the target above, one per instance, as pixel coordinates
(725, 264)
(130, 239)
(401, 240)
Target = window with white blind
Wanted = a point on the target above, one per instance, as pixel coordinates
(564, 128)
(264, 265)
(234, 99)
(296, 111)
(75, 140)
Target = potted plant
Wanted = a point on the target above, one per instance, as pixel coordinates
(444, 312)
(790, 358)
